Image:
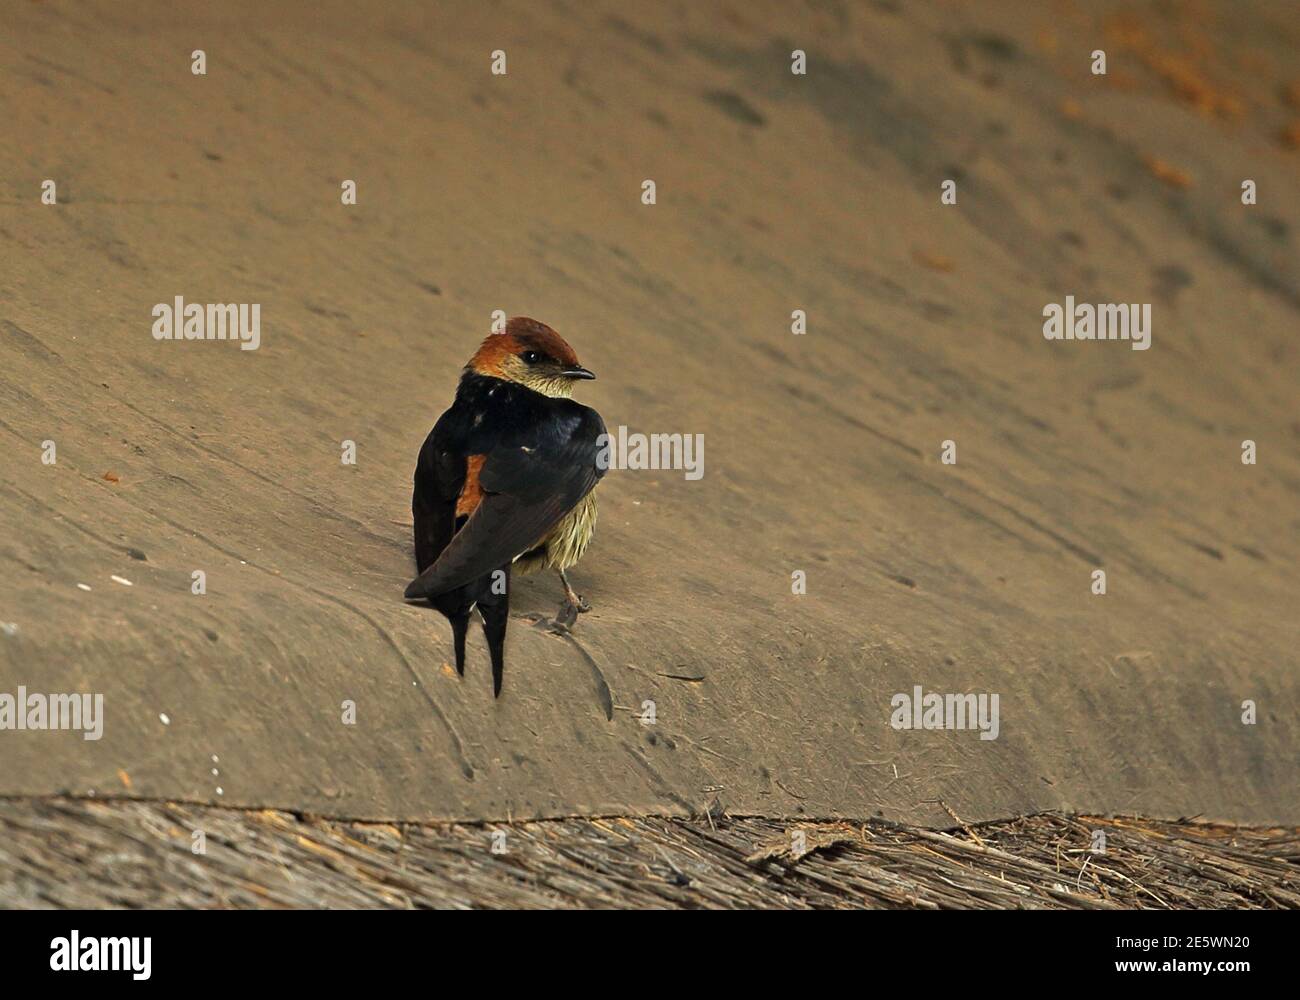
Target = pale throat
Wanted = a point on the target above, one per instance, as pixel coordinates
(556, 388)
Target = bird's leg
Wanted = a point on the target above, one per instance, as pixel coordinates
(571, 595)
(573, 603)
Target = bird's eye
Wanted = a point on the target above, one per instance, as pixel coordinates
(531, 357)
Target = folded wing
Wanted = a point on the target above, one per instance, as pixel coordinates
(530, 482)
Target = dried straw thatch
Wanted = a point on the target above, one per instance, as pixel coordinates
(89, 853)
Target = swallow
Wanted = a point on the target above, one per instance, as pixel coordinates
(504, 483)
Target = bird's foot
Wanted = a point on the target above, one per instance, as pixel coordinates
(575, 601)
(573, 605)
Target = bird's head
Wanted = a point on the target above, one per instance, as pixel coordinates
(532, 354)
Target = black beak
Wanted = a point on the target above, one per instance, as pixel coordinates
(579, 373)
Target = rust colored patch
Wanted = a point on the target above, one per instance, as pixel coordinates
(1169, 174)
(934, 261)
(493, 351)
(521, 334)
(1183, 62)
(471, 494)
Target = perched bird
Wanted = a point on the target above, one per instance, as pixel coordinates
(504, 481)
